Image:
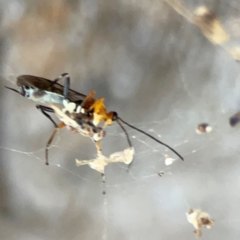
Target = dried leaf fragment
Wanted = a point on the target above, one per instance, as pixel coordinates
(168, 160)
(199, 219)
(99, 164)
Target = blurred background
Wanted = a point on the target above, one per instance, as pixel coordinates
(162, 72)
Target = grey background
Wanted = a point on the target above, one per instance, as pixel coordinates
(159, 73)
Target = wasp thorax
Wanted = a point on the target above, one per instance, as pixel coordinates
(69, 106)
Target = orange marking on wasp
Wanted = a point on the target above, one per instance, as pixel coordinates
(60, 126)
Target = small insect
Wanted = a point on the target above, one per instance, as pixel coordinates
(97, 112)
(81, 114)
(99, 163)
(43, 90)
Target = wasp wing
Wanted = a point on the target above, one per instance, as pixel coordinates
(47, 85)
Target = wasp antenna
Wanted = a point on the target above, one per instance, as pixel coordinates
(155, 139)
(127, 136)
(125, 131)
(61, 125)
(14, 90)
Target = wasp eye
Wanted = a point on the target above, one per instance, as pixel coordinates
(115, 116)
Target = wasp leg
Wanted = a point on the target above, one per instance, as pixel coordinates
(66, 83)
(45, 109)
(99, 149)
(103, 182)
(61, 125)
(99, 153)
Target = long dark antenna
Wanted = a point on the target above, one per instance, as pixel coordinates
(14, 90)
(147, 134)
(125, 131)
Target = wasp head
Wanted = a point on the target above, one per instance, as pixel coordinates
(114, 116)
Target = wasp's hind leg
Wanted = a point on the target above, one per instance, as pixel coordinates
(45, 109)
(61, 125)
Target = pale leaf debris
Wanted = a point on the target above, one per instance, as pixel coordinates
(169, 160)
(99, 164)
(199, 219)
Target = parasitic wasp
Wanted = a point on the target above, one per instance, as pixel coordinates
(82, 113)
